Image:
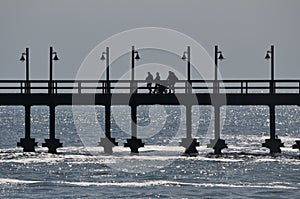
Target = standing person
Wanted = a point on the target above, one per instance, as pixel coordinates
(172, 79)
(149, 80)
(157, 83)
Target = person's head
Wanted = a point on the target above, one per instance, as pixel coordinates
(157, 74)
(149, 73)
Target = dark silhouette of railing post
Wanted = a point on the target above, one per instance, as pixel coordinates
(134, 143)
(27, 143)
(273, 143)
(217, 143)
(108, 142)
(52, 143)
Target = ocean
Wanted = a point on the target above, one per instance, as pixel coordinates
(82, 170)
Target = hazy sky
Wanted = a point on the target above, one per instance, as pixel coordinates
(244, 30)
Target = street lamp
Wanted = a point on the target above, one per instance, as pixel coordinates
(187, 56)
(134, 55)
(270, 55)
(22, 59)
(218, 56)
(106, 54)
(53, 57)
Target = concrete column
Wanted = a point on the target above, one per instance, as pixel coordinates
(217, 123)
(217, 143)
(52, 143)
(134, 122)
(189, 143)
(27, 143)
(273, 143)
(108, 142)
(134, 143)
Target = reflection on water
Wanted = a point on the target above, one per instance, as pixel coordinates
(245, 169)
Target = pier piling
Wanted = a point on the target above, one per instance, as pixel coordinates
(134, 143)
(27, 143)
(52, 143)
(189, 143)
(217, 143)
(273, 143)
(297, 145)
(108, 142)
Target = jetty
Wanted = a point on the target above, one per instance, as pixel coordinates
(134, 93)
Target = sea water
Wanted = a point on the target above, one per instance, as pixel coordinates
(82, 170)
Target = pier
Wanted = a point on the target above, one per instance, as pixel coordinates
(134, 93)
(66, 95)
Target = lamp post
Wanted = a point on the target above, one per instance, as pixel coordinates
(27, 142)
(105, 56)
(189, 143)
(133, 143)
(53, 57)
(273, 143)
(108, 142)
(22, 59)
(134, 55)
(52, 143)
(217, 58)
(270, 55)
(217, 143)
(187, 56)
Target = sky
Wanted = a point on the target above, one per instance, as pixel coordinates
(243, 29)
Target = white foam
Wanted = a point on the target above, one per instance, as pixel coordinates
(16, 181)
(175, 183)
(274, 185)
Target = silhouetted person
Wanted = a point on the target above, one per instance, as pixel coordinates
(157, 82)
(172, 79)
(149, 80)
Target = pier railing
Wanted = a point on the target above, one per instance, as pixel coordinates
(139, 86)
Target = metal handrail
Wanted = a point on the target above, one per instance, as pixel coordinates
(79, 86)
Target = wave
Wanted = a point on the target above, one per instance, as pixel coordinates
(152, 183)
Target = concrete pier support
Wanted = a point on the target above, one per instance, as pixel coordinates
(217, 143)
(189, 143)
(297, 145)
(134, 143)
(273, 143)
(27, 143)
(108, 142)
(52, 143)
